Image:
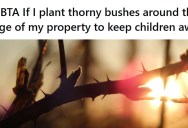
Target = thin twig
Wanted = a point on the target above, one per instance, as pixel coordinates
(35, 81)
(62, 59)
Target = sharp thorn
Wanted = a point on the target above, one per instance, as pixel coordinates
(59, 76)
(4, 109)
(143, 68)
(107, 78)
(103, 96)
(46, 66)
(95, 79)
(93, 98)
(44, 93)
(34, 100)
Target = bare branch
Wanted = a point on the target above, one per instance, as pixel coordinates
(68, 93)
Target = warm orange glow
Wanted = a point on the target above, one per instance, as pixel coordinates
(172, 90)
(156, 85)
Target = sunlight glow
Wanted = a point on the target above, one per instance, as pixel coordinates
(172, 90)
(156, 85)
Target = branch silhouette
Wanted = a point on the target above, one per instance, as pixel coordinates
(68, 92)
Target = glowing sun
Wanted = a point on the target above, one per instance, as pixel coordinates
(172, 89)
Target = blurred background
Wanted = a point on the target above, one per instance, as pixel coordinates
(120, 59)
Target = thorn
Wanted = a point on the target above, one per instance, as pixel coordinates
(46, 66)
(34, 100)
(95, 79)
(107, 78)
(93, 98)
(59, 76)
(143, 68)
(4, 109)
(45, 95)
(103, 96)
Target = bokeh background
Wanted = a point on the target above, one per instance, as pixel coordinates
(119, 59)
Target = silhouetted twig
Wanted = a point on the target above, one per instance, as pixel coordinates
(62, 59)
(35, 81)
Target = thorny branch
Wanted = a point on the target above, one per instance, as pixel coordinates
(68, 92)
